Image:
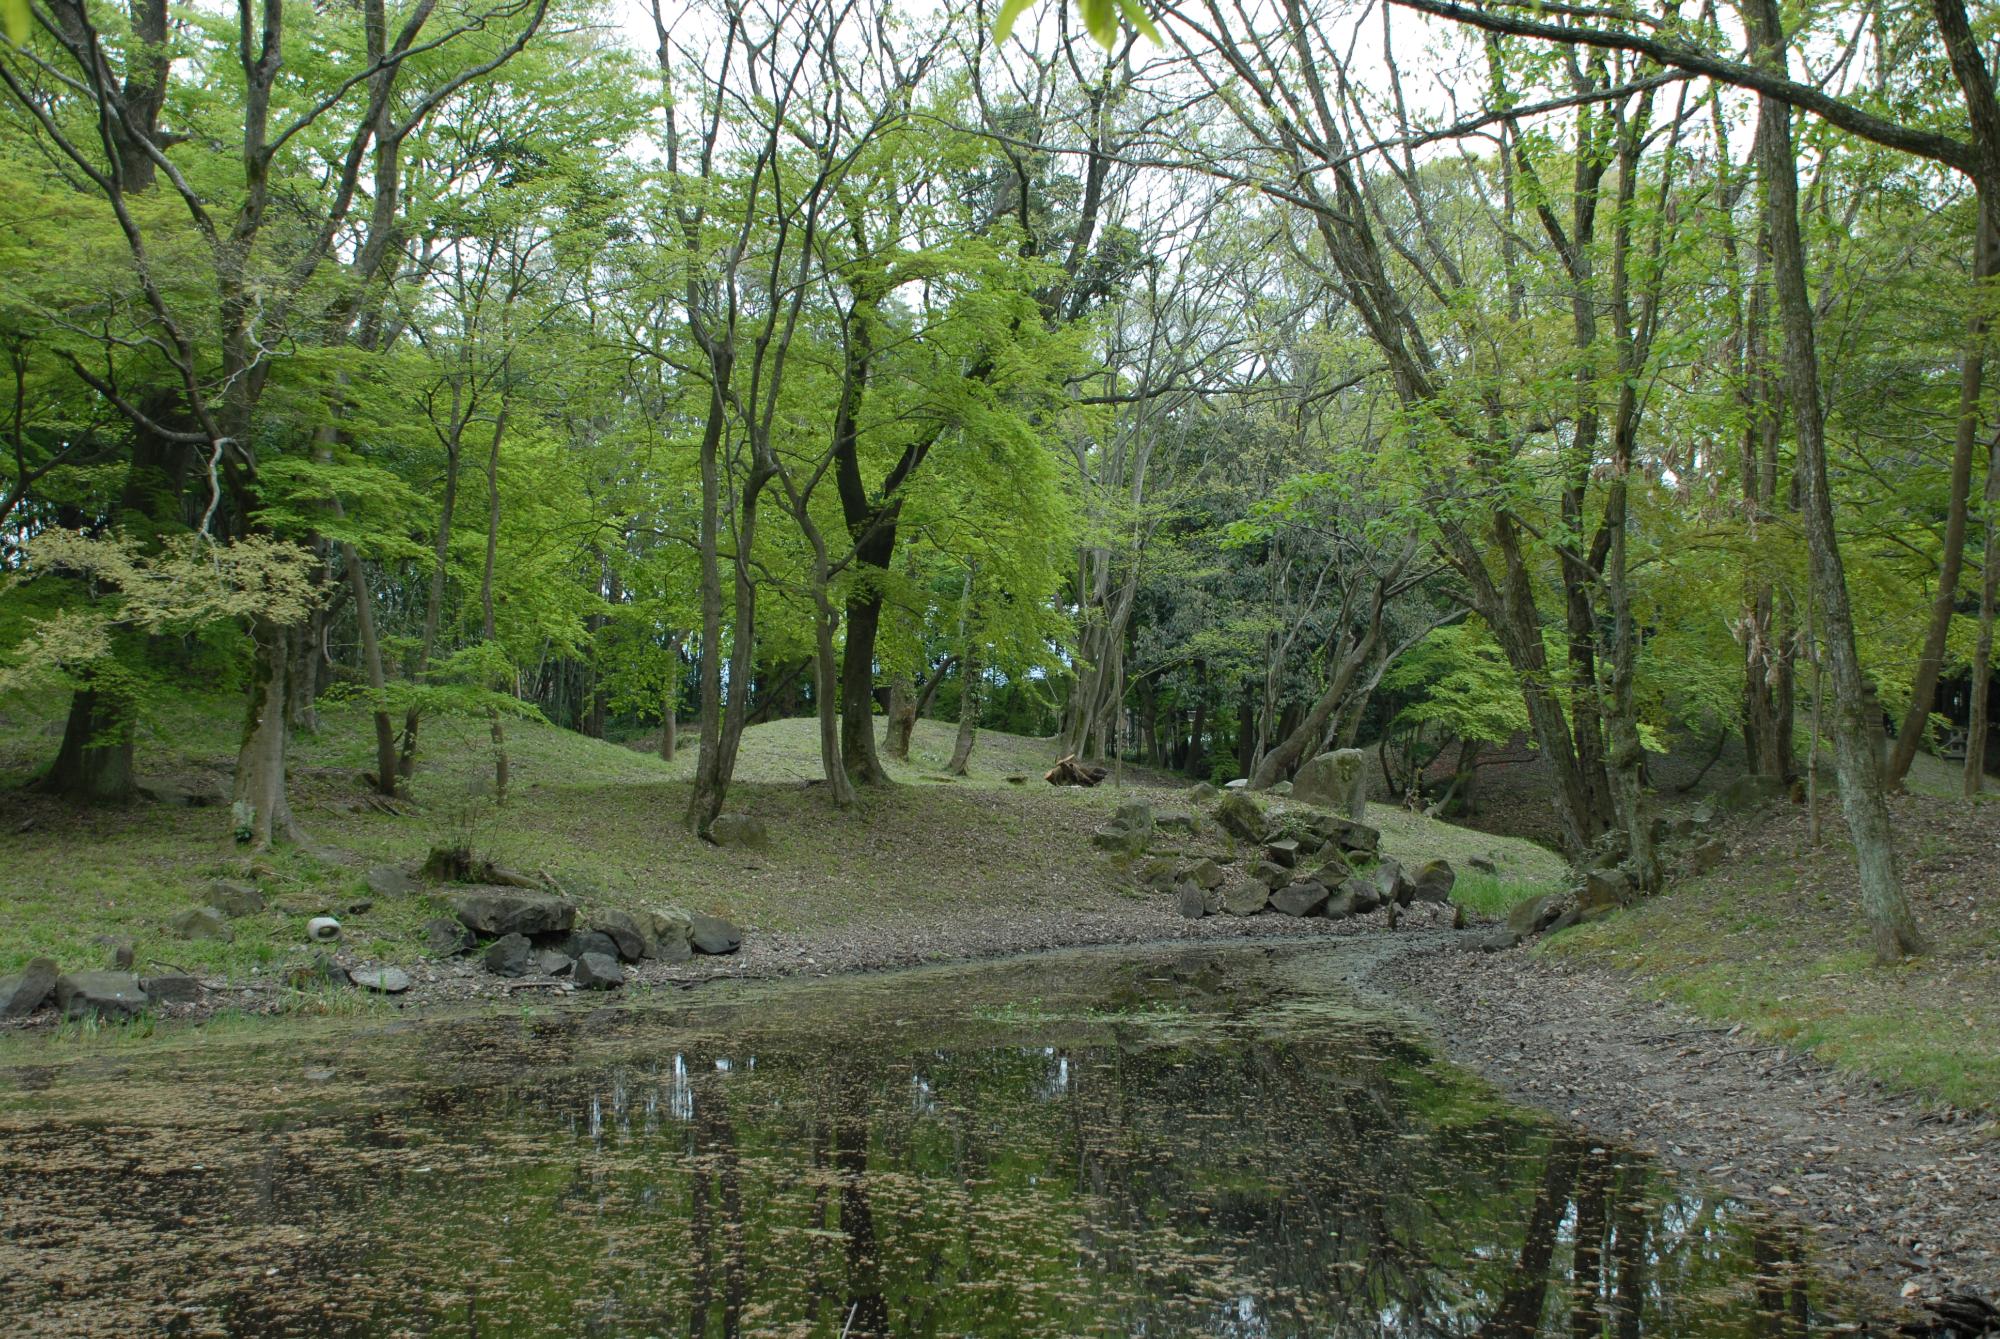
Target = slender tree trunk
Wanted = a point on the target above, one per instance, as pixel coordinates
(1978, 726)
(260, 808)
(496, 727)
(705, 800)
(1859, 762)
(371, 663)
(1972, 367)
(1196, 762)
(827, 703)
(971, 690)
(434, 597)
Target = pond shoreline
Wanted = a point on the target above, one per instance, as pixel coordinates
(1899, 1199)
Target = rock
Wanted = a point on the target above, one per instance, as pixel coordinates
(1361, 893)
(624, 931)
(552, 962)
(233, 899)
(200, 923)
(1604, 891)
(594, 971)
(25, 991)
(1333, 869)
(1117, 837)
(1158, 872)
(712, 934)
(1299, 899)
(1135, 814)
(1336, 780)
(1339, 904)
(1190, 901)
(1241, 817)
(322, 929)
(173, 988)
(1535, 914)
(104, 994)
(445, 937)
(580, 942)
(1201, 792)
(1352, 836)
(666, 934)
(386, 881)
(1269, 874)
(1481, 865)
(1282, 788)
(1240, 783)
(738, 830)
(316, 972)
(494, 912)
(381, 980)
(1176, 820)
(1284, 852)
(509, 955)
(1497, 939)
(1433, 882)
(1245, 897)
(1390, 884)
(1707, 856)
(1205, 873)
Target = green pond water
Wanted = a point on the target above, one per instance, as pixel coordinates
(1154, 1142)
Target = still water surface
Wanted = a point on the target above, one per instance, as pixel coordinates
(1157, 1142)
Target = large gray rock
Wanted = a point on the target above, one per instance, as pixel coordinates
(510, 955)
(1433, 882)
(667, 934)
(386, 881)
(624, 931)
(1604, 891)
(1299, 899)
(447, 937)
(1336, 780)
(1245, 897)
(234, 899)
(1339, 904)
(1333, 869)
(172, 988)
(1176, 820)
(1118, 838)
(1241, 817)
(200, 923)
(581, 942)
(1352, 836)
(1536, 914)
(25, 992)
(105, 994)
(1390, 882)
(1204, 873)
(552, 962)
(1190, 901)
(1269, 874)
(1283, 852)
(1361, 893)
(739, 830)
(712, 934)
(381, 980)
(594, 971)
(1201, 792)
(495, 912)
(1135, 814)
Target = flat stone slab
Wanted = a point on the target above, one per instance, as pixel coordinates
(26, 991)
(496, 912)
(712, 934)
(105, 994)
(381, 980)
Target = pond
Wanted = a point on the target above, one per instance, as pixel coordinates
(1213, 1141)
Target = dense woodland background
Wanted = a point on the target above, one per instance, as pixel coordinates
(1427, 376)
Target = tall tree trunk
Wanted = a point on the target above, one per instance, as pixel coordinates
(1196, 762)
(261, 810)
(94, 763)
(855, 691)
(434, 598)
(496, 727)
(1972, 367)
(705, 799)
(1860, 764)
(1978, 725)
(971, 690)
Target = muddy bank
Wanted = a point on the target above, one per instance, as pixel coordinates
(1901, 1198)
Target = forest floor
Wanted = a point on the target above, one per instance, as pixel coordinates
(1736, 1024)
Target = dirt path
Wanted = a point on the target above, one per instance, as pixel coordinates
(1901, 1199)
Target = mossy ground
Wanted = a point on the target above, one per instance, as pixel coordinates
(603, 819)
(1774, 939)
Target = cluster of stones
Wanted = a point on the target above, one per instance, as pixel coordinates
(1297, 863)
(121, 992)
(518, 932)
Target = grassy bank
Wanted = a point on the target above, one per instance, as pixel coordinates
(1774, 940)
(603, 819)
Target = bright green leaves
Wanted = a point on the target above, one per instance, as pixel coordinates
(1100, 19)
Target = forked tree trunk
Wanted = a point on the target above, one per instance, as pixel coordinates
(1859, 762)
